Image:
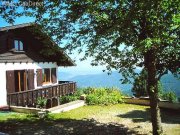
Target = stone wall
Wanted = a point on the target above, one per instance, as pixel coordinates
(162, 104)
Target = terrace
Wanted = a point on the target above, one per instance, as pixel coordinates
(51, 93)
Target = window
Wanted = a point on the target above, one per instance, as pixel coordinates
(20, 80)
(18, 45)
(46, 75)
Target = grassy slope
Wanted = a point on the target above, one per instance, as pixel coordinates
(120, 118)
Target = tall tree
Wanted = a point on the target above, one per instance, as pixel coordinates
(121, 34)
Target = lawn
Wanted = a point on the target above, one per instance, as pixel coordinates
(102, 120)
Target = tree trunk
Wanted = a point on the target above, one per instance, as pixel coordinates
(150, 65)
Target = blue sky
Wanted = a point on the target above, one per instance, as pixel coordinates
(82, 68)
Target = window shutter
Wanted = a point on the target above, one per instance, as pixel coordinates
(53, 75)
(10, 81)
(30, 79)
(39, 77)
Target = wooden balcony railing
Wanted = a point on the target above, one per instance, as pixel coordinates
(29, 98)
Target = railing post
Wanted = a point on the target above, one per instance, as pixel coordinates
(9, 99)
(58, 100)
(75, 87)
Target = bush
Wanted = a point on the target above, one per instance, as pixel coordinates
(103, 96)
(170, 95)
(88, 90)
(67, 99)
(79, 92)
(71, 97)
(41, 102)
(95, 96)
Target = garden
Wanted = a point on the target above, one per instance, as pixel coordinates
(105, 113)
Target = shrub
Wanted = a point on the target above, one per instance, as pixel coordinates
(103, 96)
(71, 97)
(41, 102)
(88, 90)
(79, 92)
(170, 95)
(67, 99)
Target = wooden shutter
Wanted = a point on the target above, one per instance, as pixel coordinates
(10, 81)
(39, 77)
(53, 75)
(30, 79)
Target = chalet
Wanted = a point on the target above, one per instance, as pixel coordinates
(29, 61)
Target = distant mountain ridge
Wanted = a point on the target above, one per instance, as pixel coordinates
(103, 80)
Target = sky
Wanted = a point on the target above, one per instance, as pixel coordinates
(82, 68)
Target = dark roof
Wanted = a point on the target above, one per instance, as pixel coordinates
(58, 54)
(13, 57)
(16, 26)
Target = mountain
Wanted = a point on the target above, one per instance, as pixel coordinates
(171, 83)
(103, 80)
(99, 80)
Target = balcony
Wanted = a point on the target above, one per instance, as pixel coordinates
(51, 93)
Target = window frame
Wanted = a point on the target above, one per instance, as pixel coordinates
(20, 45)
(44, 78)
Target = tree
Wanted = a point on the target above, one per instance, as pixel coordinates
(121, 34)
(139, 85)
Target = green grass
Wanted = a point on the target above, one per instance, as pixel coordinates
(19, 116)
(114, 119)
(88, 111)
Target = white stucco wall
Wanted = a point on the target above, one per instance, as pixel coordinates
(20, 66)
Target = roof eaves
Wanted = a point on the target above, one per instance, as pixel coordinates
(16, 26)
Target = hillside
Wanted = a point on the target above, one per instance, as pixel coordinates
(104, 80)
(171, 83)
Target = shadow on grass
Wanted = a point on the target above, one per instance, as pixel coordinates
(137, 115)
(170, 116)
(36, 126)
(167, 116)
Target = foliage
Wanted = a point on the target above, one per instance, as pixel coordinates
(95, 96)
(79, 92)
(140, 85)
(170, 96)
(41, 102)
(140, 88)
(160, 89)
(103, 96)
(89, 90)
(166, 95)
(119, 34)
(69, 98)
